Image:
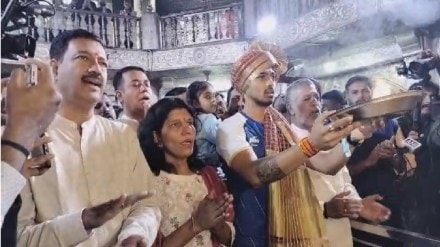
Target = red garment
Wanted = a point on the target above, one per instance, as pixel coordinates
(214, 185)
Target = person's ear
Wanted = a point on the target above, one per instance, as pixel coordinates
(119, 96)
(290, 109)
(54, 65)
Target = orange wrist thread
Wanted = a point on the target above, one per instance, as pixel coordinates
(307, 148)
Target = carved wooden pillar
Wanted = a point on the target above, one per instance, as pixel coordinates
(148, 5)
(149, 26)
(137, 7)
(143, 6)
(250, 16)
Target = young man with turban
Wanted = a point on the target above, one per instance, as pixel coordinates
(266, 159)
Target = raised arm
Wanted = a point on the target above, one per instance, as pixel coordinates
(233, 147)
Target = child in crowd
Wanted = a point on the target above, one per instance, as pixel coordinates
(201, 97)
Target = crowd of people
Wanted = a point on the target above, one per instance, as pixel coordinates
(192, 169)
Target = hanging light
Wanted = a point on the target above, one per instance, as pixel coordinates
(267, 24)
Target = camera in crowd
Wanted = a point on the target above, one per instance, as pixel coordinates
(16, 15)
(417, 69)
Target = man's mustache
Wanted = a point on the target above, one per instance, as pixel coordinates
(92, 75)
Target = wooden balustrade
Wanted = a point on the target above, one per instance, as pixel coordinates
(201, 27)
(116, 31)
(177, 30)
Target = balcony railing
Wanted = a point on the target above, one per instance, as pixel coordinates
(177, 30)
(185, 29)
(116, 31)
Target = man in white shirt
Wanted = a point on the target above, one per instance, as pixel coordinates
(30, 111)
(133, 91)
(337, 196)
(96, 160)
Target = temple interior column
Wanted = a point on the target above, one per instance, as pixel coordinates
(150, 24)
(250, 18)
(137, 6)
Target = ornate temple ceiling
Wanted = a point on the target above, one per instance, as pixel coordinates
(333, 42)
(370, 39)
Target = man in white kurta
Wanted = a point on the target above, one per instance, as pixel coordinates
(133, 123)
(134, 93)
(12, 183)
(335, 193)
(101, 164)
(96, 160)
(328, 186)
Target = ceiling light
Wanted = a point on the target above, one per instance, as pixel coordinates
(267, 24)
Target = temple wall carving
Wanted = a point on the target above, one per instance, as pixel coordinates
(213, 54)
(226, 53)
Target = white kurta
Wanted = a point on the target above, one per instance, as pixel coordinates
(89, 169)
(328, 186)
(133, 123)
(12, 183)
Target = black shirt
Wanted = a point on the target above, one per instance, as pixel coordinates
(9, 227)
(423, 188)
(379, 179)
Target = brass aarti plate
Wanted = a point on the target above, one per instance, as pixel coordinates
(384, 107)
